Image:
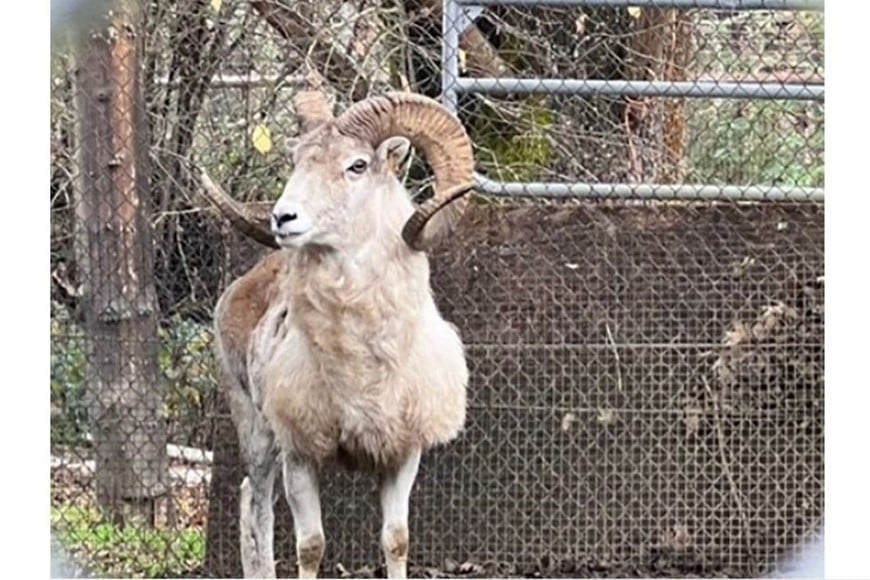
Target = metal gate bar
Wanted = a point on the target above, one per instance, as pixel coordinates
(452, 85)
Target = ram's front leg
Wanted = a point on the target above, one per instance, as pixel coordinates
(395, 495)
(303, 494)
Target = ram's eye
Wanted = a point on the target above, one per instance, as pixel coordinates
(358, 166)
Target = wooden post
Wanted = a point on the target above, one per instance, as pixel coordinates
(115, 264)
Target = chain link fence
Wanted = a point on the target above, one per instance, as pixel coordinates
(639, 280)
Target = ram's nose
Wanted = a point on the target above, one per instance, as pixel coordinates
(281, 219)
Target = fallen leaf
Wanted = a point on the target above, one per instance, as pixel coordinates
(634, 11)
(606, 416)
(693, 420)
(216, 5)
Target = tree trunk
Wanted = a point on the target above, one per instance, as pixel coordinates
(222, 550)
(656, 127)
(115, 265)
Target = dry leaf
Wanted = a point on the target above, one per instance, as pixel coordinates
(568, 421)
(634, 11)
(262, 139)
(580, 24)
(216, 5)
(693, 421)
(606, 416)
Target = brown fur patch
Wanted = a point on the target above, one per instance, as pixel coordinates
(309, 552)
(396, 542)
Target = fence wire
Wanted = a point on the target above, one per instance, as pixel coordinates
(647, 367)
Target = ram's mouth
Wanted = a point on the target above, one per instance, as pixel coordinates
(289, 239)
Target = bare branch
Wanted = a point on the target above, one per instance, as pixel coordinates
(337, 67)
(481, 57)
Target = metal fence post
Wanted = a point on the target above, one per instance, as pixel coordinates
(450, 54)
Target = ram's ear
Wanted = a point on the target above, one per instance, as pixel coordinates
(394, 152)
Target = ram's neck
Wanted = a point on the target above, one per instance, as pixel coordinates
(363, 304)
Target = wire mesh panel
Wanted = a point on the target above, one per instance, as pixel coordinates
(638, 281)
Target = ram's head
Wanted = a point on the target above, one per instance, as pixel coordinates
(344, 171)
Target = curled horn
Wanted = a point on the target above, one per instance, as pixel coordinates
(250, 219)
(435, 131)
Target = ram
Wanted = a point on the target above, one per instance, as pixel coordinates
(332, 348)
